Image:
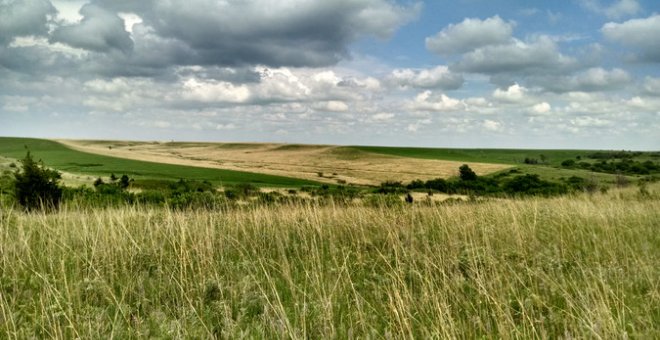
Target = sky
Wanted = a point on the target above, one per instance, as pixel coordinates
(580, 74)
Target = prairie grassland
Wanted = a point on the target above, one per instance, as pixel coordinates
(335, 163)
(569, 267)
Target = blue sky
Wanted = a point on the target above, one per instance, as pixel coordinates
(467, 73)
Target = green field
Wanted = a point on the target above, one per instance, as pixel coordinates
(549, 170)
(62, 158)
(500, 156)
(555, 174)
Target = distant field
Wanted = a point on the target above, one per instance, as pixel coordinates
(550, 169)
(326, 163)
(62, 158)
(285, 165)
(501, 156)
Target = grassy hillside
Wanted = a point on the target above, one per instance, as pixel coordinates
(581, 266)
(60, 157)
(549, 169)
(501, 156)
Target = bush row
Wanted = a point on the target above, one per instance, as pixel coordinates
(623, 166)
(510, 183)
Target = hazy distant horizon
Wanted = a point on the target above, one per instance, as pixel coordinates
(330, 144)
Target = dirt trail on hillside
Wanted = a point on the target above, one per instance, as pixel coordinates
(330, 164)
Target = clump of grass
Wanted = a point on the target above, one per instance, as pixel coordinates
(575, 266)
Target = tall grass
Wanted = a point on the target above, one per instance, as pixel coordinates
(580, 266)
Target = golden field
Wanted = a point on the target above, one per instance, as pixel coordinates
(330, 164)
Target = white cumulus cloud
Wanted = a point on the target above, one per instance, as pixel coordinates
(513, 94)
(470, 34)
(429, 101)
(641, 35)
(439, 77)
(542, 108)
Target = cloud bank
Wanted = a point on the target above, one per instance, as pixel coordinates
(308, 71)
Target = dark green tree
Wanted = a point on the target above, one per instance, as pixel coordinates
(466, 174)
(569, 163)
(37, 187)
(124, 181)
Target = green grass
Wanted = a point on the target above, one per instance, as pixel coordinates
(499, 156)
(551, 170)
(62, 158)
(558, 174)
(582, 266)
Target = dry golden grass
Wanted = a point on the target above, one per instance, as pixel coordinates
(583, 266)
(300, 161)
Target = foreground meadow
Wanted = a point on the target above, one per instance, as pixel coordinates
(573, 266)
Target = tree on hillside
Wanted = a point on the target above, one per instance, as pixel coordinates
(466, 174)
(124, 182)
(35, 186)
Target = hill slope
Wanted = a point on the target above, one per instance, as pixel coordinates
(331, 164)
(61, 157)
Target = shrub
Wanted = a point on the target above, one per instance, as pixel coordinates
(569, 163)
(124, 181)
(391, 187)
(98, 181)
(247, 189)
(151, 197)
(36, 187)
(466, 174)
(614, 154)
(532, 185)
(479, 186)
(416, 184)
(241, 191)
(6, 183)
(231, 194)
(183, 186)
(439, 184)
